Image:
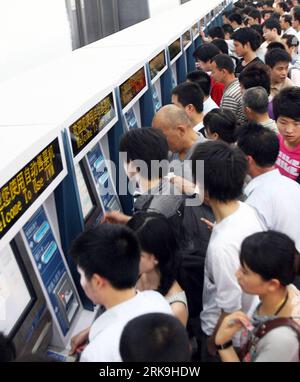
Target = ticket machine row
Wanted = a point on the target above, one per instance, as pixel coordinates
(66, 186)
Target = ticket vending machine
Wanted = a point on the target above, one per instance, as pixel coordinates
(189, 47)
(89, 189)
(24, 316)
(129, 94)
(213, 22)
(177, 62)
(207, 21)
(158, 76)
(38, 239)
(214, 17)
(154, 56)
(29, 230)
(196, 35)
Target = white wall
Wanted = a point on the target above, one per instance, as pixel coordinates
(158, 6)
(32, 32)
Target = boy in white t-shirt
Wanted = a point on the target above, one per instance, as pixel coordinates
(225, 168)
(107, 258)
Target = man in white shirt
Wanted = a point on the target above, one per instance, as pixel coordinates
(189, 96)
(272, 33)
(107, 259)
(286, 22)
(225, 168)
(275, 197)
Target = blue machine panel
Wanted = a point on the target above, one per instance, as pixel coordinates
(131, 119)
(52, 269)
(156, 101)
(174, 82)
(102, 179)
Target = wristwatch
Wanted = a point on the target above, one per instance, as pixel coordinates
(224, 346)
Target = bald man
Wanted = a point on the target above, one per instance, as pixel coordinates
(182, 139)
(177, 128)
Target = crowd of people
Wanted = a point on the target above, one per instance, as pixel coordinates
(239, 114)
(205, 267)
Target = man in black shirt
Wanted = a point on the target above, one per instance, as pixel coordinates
(246, 41)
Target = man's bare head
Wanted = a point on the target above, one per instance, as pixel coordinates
(170, 117)
(175, 124)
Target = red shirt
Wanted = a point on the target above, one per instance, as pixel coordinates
(217, 90)
(288, 161)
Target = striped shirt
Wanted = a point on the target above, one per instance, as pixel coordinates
(232, 99)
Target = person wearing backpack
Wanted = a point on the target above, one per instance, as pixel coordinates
(182, 140)
(269, 263)
(146, 150)
(146, 147)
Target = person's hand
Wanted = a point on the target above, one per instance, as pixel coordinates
(231, 325)
(183, 185)
(115, 217)
(210, 225)
(79, 342)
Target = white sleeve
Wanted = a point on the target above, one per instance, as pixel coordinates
(264, 208)
(105, 347)
(225, 263)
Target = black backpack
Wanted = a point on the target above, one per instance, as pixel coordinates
(191, 232)
(193, 237)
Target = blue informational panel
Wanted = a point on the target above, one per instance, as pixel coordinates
(156, 101)
(102, 179)
(131, 119)
(51, 268)
(174, 82)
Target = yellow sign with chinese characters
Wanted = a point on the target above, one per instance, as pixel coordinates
(21, 191)
(91, 123)
(132, 87)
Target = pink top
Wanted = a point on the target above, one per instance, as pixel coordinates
(288, 161)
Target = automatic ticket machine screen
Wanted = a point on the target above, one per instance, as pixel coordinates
(131, 119)
(15, 297)
(86, 198)
(102, 179)
(132, 87)
(51, 268)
